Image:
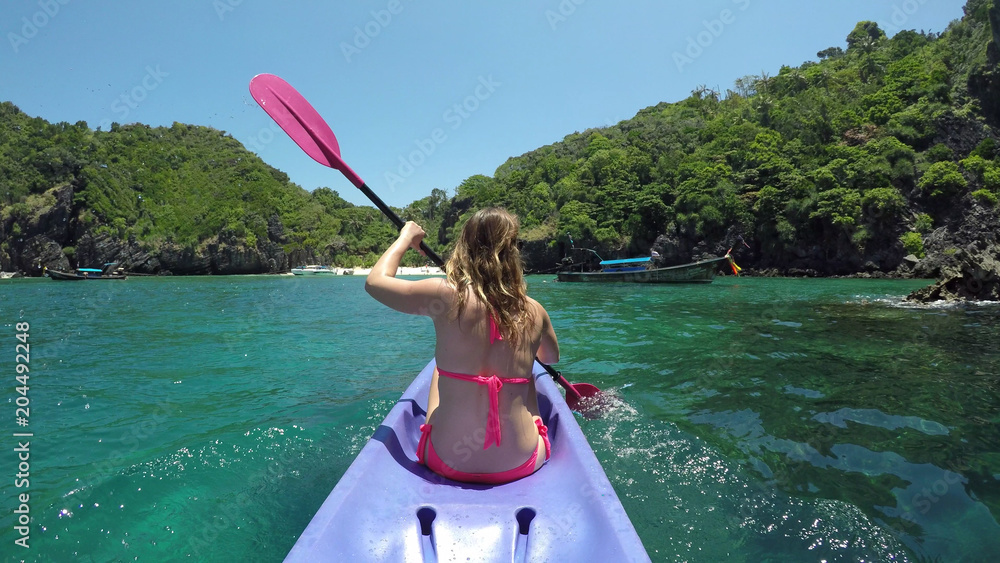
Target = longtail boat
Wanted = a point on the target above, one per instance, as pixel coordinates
(109, 272)
(641, 270)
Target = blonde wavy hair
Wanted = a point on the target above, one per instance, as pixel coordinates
(487, 260)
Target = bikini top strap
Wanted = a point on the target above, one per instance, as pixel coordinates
(494, 331)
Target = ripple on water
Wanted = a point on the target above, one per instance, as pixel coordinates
(808, 393)
(705, 507)
(181, 502)
(874, 417)
(926, 499)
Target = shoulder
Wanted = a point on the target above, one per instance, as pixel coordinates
(439, 295)
(534, 304)
(537, 310)
(434, 288)
(429, 297)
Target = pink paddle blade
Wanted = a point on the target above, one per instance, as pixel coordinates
(577, 394)
(586, 389)
(296, 116)
(591, 402)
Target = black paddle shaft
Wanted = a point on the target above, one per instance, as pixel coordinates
(398, 222)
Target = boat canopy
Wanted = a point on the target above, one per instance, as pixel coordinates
(89, 270)
(626, 261)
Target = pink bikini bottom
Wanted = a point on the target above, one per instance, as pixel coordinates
(437, 465)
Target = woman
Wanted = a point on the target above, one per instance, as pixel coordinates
(482, 414)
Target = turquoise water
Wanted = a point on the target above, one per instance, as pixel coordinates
(206, 419)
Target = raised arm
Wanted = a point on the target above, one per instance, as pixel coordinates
(420, 297)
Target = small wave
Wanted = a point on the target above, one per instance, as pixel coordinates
(786, 355)
(890, 300)
(700, 484)
(607, 403)
(809, 393)
(942, 304)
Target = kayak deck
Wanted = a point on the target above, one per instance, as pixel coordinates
(387, 507)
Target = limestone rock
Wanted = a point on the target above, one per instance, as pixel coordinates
(975, 276)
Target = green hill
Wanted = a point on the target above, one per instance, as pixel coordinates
(837, 166)
(184, 199)
(876, 151)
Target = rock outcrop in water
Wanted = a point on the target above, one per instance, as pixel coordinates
(973, 276)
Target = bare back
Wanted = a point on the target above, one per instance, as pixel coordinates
(458, 409)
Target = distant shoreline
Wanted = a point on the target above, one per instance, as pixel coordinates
(401, 271)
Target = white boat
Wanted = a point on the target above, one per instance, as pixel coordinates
(314, 270)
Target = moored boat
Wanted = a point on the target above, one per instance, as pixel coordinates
(387, 507)
(640, 270)
(314, 270)
(109, 272)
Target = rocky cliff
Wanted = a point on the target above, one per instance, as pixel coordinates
(56, 235)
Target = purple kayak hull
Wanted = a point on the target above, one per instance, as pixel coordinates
(387, 507)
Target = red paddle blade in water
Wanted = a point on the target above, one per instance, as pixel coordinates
(585, 390)
(592, 402)
(582, 397)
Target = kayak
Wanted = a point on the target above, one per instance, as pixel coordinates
(387, 507)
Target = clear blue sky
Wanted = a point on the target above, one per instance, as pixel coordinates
(542, 69)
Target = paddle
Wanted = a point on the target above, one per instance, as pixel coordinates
(306, 127)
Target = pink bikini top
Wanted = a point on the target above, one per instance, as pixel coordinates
(495, 384)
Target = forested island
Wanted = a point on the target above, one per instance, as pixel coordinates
(878, 159)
